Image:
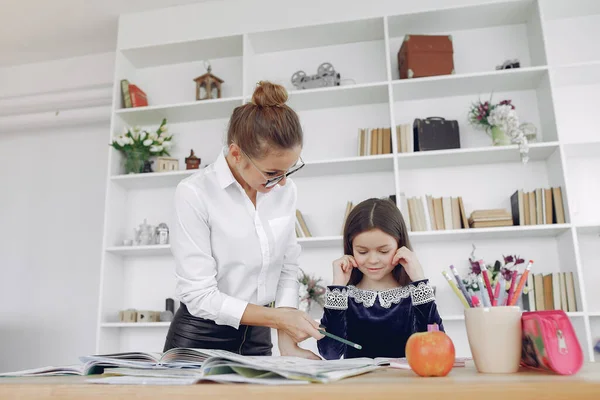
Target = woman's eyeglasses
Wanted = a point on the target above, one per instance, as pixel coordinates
(275, 180)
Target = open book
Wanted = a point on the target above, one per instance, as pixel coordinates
(213, 365)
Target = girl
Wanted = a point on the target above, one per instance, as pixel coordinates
(379, 295)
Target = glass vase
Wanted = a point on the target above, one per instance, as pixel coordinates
(499, 137)
(134, 161)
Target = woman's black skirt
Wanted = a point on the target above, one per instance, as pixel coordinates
(189, 331)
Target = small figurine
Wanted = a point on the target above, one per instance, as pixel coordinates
(162, 234)
(147, 166)
(192, 162)
(144, 234)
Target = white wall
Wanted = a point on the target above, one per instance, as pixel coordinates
(52, 182)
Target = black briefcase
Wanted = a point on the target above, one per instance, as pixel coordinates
(435, 133)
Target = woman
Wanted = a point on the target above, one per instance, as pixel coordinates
(234, 240)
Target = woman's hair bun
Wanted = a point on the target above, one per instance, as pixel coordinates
(267, 94)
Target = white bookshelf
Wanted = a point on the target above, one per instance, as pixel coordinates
(555, 89)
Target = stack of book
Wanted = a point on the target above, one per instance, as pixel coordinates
(554, 291)
(490, 218)
(404, 135)
(541, 206)
(429, 213)
(372, 142)
(301, 227)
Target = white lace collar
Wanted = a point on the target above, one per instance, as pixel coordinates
(386, 297)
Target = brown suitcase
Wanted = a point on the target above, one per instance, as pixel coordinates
(426, 55)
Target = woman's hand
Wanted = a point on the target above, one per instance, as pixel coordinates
(342, 268)
(409, 261)
(297, 324)
(287, 347)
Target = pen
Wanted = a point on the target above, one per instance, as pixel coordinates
(486, 280)
(502, 298)
(484, 293)
(339, 339)
(461, 297)
(497, 288)
(461, 285)
(513, 285)
(519, 290)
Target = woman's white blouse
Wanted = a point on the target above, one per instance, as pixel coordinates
(227, 252)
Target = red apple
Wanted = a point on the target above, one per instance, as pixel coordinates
(430, 353)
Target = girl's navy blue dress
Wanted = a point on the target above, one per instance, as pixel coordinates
(380, 321)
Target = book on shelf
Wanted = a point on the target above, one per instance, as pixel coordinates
(538, 207)
(490, 218)
(301, 226)
(428, 213)
(349, 207)
(405, 138)
(374, 141)
(132, 95)
(553, 291)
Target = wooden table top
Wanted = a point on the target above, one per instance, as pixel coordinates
(461, 383)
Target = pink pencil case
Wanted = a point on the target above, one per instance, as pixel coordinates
(550, 342)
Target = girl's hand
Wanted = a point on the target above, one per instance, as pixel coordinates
(409, 261)
(342, 268)
(297, 324)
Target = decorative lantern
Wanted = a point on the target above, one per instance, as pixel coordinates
(208, 86)
(162, 234)
(192, 162)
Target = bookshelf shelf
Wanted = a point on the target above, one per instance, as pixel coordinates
(181, 112)
(151, 180)
(473, 156)
(136, 325)
(320, 241)
(140, 251)
(467, 84)
(509, 232)
(555, 89)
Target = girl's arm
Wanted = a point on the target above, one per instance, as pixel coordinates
(334, 321)
(425, 310)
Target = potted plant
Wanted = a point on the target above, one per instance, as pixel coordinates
(501, 122)
(311, 291)
(138, 146)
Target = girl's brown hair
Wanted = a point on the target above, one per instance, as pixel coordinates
(376, 214)
(266, 123)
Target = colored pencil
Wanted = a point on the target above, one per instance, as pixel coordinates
(461, 297)
(513, 285)
(461, 285)
(339, 339)
(519, 290)
(486, 280)
(483, 291)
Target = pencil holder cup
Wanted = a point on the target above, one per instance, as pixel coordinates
(494, 335)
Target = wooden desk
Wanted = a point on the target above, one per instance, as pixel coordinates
(393, 384)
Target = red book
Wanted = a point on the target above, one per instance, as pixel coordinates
(138, 97)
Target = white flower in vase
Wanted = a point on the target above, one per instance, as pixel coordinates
(120, 141)
(143, 135)
(164, 128)
(148, 142)
(156, 149)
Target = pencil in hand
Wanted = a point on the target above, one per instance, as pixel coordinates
(339, 339)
